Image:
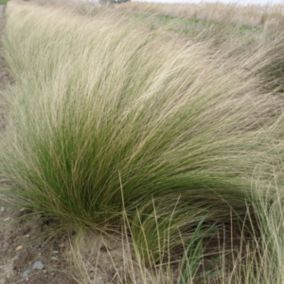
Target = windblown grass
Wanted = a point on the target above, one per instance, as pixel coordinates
(110, 121)
(269, 17)
(261, 261)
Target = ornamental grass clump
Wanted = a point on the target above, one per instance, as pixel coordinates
(108, 118)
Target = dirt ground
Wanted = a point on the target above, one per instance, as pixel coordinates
(27, 255)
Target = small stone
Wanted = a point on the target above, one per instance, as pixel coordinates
(54, 258)
(38, 265)
(55, 251)
(19, 247)
(2, 209)
(7, 219)
(26, 273)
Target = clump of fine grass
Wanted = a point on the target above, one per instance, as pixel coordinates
(106, 117)
(257, 261)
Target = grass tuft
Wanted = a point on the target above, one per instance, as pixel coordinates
(110, 120)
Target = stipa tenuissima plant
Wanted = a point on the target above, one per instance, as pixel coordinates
(107, 117)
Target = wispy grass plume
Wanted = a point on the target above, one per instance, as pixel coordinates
(106, 117)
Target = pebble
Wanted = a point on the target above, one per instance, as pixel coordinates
(19, 247)
(2, 209)
(38, 265)
(26, 273)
